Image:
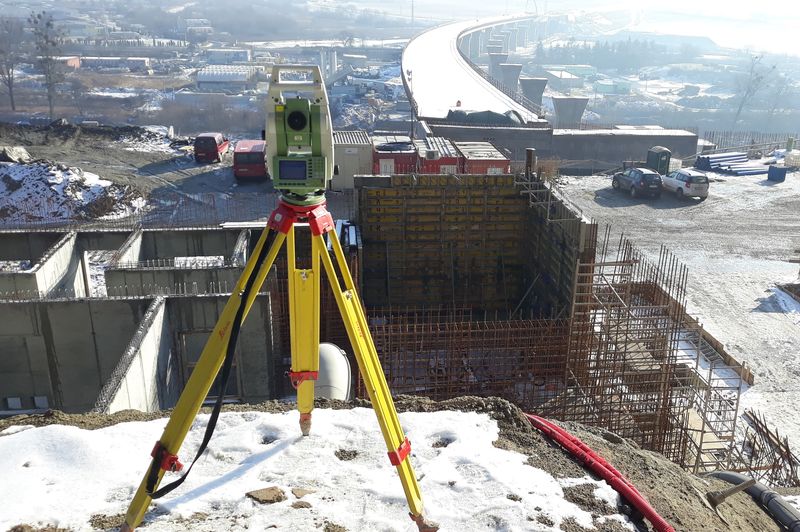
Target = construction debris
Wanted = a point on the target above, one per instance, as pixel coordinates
(269, 495)
(14, 154)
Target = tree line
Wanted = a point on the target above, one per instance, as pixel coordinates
(42, 48)
(625, 56)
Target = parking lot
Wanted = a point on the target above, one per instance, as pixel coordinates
(736, 244)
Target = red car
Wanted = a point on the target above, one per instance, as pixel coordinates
(209, 147)
(248, 160)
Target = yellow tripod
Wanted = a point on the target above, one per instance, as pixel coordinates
(304, 308)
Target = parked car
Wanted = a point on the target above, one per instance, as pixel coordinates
(638, 182)
(687, 182)
(248, 160)
(209, 147)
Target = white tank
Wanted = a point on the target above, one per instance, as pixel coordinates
(333, 381)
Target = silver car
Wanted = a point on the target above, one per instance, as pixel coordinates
(687, 182)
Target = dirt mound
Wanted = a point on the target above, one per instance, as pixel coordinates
(678, 496)
(43, 191)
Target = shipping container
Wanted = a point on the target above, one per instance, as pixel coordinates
(393, 154)
(437, 155)
(482, 158)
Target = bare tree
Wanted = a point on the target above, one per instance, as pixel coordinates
(47, 40)
(752, 83)
(11, 43)
(78, 89)
(780, 89)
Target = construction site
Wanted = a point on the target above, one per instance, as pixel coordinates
(488, 285)
(480, 277)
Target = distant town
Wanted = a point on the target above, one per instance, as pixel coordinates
(199, 67)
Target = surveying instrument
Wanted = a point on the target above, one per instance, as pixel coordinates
(300, 157)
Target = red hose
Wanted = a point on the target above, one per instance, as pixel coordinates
(584, 454)
(585, 448)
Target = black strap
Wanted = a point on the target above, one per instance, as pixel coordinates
(155, 466)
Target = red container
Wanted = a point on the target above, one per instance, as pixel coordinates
(437, 155)
(393, 154)
(483, 158)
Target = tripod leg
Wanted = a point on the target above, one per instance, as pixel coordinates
(369, 365)
(304, 329)
(208, 365)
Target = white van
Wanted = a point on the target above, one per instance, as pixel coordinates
(686, 182)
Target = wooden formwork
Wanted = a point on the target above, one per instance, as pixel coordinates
(433, 240)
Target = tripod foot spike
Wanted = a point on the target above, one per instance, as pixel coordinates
(423, 524)
(305, 424)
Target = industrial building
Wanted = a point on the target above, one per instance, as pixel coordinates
(234, 78)
(226, 56)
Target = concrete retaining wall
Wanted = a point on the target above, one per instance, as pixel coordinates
(608, 148)
(192, 320)
(65, 350)
(133, 282)
(131, 250)
(187, 243)
(26, 246)
(102, 240)
(58, 267)
(148, 376)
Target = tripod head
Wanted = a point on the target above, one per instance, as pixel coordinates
(299, 134)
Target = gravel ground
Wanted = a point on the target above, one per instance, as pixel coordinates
(169, 179)
(675, 494)
(736, 244)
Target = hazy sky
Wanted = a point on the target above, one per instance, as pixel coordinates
(736, 24)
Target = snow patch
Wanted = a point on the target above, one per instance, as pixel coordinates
(46, 192)
(465, 484)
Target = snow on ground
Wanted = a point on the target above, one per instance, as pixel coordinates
(200, 261)
(153, 139)
(14, 265)
(115, 93)
(45, 192)
(98, 260)
(64, 475)
(736, 245)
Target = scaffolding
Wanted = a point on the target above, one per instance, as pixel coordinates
(608, 344)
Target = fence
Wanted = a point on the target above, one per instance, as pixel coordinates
(727, 140)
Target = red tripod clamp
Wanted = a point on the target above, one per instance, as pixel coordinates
(166, 460)
(285, 215)
(397, 457)
(299, 377)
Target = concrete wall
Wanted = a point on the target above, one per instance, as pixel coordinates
(193, 318)
(594, 149)
(608, 148)
(148, 375)
(26, 246)
(132, 282)
(61, 268)
(157, 244)
(101, 240)
(57, 268)
(131, 250)
(65, 350)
